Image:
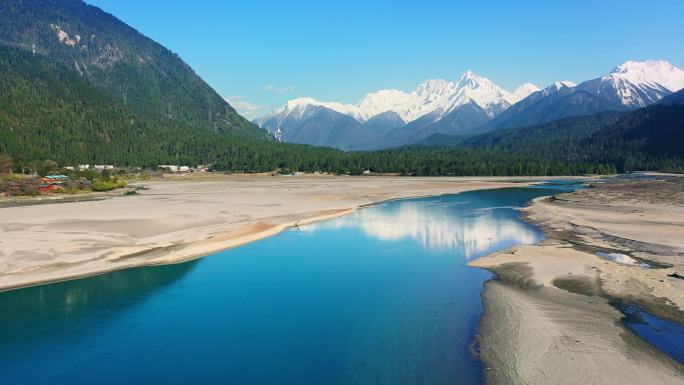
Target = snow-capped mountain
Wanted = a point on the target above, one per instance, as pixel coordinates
(637, 84)
(470, 105)
(524, 91)
(431, 95)
(651, 72)
(430, 102)
(627, 87)
(557, 86)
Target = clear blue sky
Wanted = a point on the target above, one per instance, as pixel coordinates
(261, 53)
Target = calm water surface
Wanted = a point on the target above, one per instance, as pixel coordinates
(667, 336)
(382, 296)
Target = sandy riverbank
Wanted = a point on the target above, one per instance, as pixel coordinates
(549, 320)
(177, 220)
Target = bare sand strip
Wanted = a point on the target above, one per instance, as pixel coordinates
(548, 321)
(177, 220)
(549, 336)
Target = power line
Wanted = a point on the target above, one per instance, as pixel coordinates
(32, 47)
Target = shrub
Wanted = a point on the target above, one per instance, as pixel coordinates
(103, 185)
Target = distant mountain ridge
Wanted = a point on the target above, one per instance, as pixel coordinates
(627, 87)
(429, 103)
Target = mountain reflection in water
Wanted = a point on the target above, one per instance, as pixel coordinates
(451, 223)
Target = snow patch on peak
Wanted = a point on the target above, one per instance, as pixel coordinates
(434, 87)
(294, 103)
(300, 106)
(563, 84)
(525, 90)
(471, 76)
(472, 80)
(376, 103)
(557, 86)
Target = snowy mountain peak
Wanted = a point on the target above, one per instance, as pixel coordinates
(644, 67)
(563, 84)
(486, 94)
(298, 102)
(650, 73)
(470, 75)
(525, 90)
(376, 103)
(557, 86)
(300, 107)
(434, 87)
(637, 84)
(472, 80)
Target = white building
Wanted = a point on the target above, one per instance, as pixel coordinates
(174, 168)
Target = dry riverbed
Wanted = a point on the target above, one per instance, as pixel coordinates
(549, 319)
(176, 220)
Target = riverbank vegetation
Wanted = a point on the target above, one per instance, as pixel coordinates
(55, 180)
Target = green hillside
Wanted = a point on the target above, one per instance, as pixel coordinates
(120, 62)
(51, 112)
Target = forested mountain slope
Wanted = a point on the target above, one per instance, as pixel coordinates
(650, 138)
(50, 112)
(120, 62)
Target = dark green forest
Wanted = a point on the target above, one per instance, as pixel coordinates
(650, 138)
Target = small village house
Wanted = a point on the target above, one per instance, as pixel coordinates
(52, 182)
